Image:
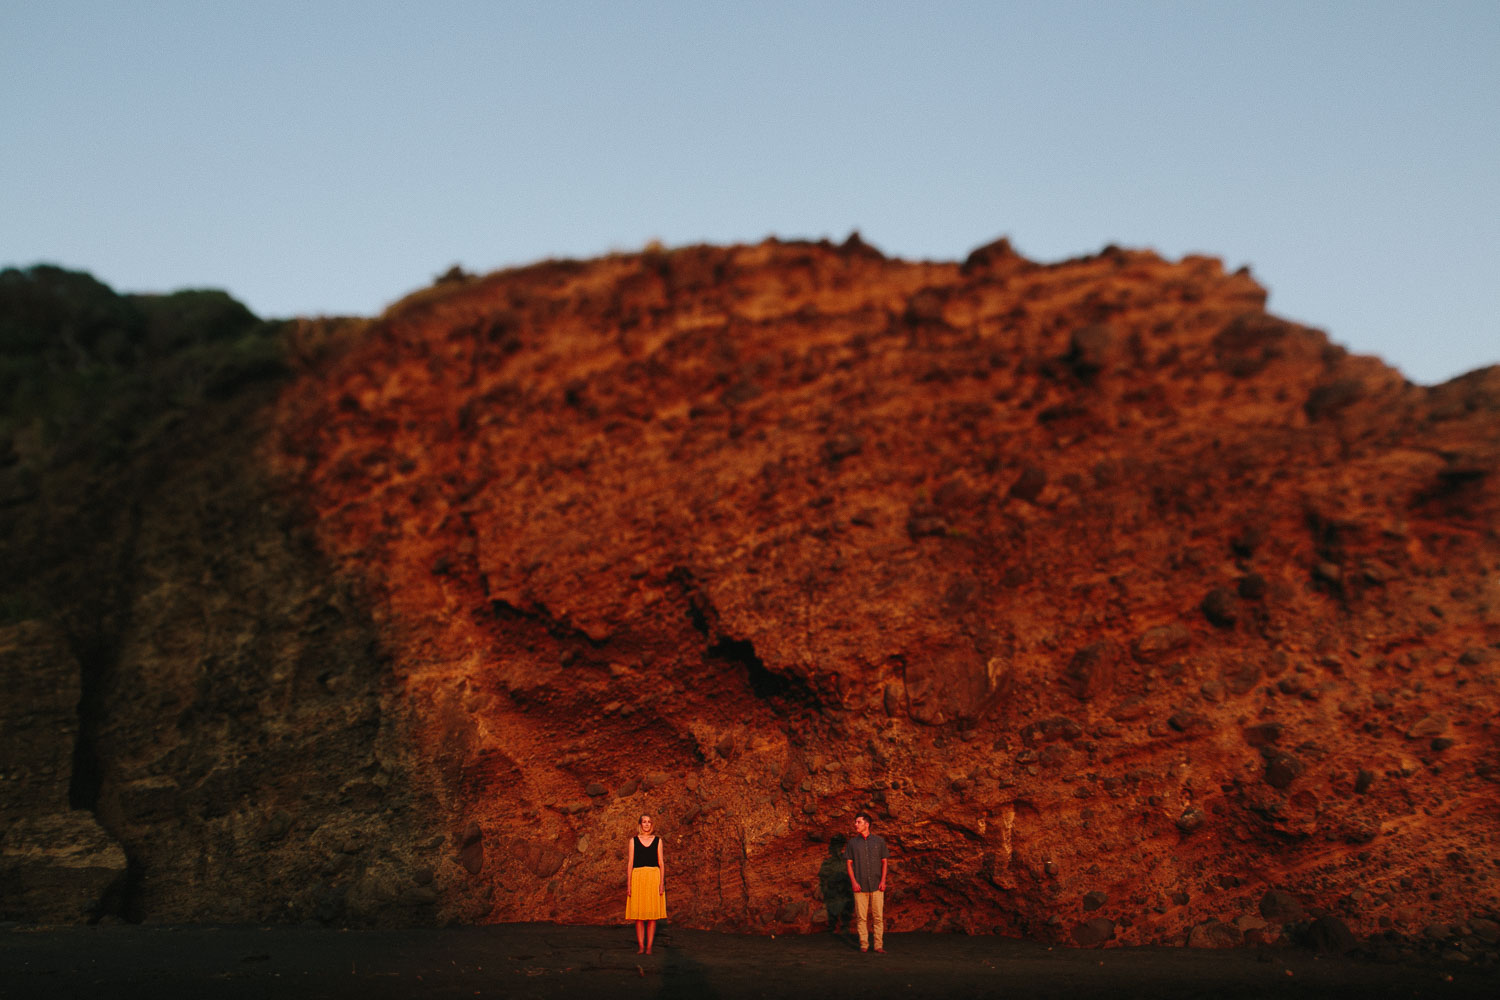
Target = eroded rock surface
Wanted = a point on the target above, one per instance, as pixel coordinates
(1021, 557)
(1121, 602)
(57, 865)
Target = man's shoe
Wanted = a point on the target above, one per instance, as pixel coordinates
(880, 951)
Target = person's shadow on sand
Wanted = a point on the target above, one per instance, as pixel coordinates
(833, 879)
(683, 977)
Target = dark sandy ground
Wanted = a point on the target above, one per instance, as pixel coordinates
(548, 961)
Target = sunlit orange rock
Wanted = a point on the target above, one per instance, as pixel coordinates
(1088, 578)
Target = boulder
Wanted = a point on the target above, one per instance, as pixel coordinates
(1092, 933)
(1330, 934)
(58, 868)
(1215, 934)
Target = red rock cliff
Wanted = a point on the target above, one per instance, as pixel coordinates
(1119, 601)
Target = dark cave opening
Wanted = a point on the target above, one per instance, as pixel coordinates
(766, 684)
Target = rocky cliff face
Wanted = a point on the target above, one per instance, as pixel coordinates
(1133, 613)
(56, 862)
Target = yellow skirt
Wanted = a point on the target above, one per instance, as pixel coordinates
(646, 900)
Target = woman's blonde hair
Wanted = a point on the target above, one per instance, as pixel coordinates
(654, 830)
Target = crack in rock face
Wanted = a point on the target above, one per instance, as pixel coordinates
(1116, 600)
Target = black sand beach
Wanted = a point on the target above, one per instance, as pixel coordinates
(547, 961)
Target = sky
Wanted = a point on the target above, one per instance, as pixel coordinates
(322, 157)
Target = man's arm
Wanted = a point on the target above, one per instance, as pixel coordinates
(849, 863)
(884, 863)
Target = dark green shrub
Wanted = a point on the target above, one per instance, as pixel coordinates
(66, 317)
(192, 316)
(90, 370)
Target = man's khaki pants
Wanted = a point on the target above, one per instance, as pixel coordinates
(870, 907)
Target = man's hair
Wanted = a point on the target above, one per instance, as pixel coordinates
(865, 816)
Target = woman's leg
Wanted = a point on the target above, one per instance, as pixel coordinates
(650, 934)
(640, 936)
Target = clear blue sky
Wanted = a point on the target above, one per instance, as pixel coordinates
(328, 157)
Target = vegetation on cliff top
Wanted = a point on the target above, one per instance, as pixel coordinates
(85, 370)
(91, 381)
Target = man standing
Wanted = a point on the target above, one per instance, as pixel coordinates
(867, 859)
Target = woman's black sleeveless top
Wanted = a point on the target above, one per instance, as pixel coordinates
(642, 856)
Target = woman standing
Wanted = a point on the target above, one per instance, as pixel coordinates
(645, 883)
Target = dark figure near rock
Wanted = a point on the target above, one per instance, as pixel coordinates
(833, 882)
